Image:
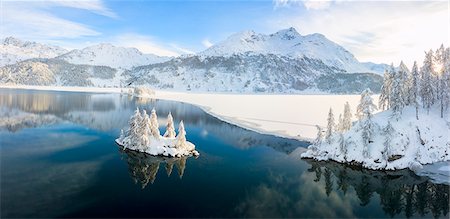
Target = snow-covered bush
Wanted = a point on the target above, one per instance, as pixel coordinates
(143, 92)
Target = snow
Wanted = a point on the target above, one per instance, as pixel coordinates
(438, 172)
(13, 50)
(143, 136)
(105, 54)
(407, 151)
(289, 42)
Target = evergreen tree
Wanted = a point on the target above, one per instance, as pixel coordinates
(388, 132)
(347, 121)
(343, 146)
(339, 126)
(170, 130)
(385, 98)
(330, 127)
(318, 141)
(405, 81)
(364, 112)
(444, 92)
(427, 92)
(397, 101)
(144, 130)
(154, 127)
(414, 91)
(181, 137)
(133, 132)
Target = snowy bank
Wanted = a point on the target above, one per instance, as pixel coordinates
(413, 143)
(143, 136)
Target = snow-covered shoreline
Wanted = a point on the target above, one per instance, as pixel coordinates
(288, 116)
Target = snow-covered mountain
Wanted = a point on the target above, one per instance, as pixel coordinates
(105, 54)
(290, 43)
(13, 50)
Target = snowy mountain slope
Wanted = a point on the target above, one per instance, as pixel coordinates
(13, 50)
(375, 68)
(290, 43)
(235, 73)
(112, 56)
(55, 72)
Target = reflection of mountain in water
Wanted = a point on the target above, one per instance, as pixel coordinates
(143, 168)
(110, 112)
(402, 193)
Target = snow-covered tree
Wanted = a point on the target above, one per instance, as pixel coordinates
(170, 129)
(330, 126)
(181, 136)
(397, 102)
(364, 112)
(384, 100)
(366, 106)
(154, 126)
(444, 82)
(388, 133)
(144, 130)
(347, 120)
(134, 123)
(427, 91)
(413, 94)
(122, 135)
(405, 81)
(340, 124)
(342, 145)
(319, 136)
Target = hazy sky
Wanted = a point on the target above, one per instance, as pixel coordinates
(379, 31)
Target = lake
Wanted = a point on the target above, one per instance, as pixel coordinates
(59, 159)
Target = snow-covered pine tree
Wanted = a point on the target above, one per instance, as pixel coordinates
(427, 91)
(330, 126)
(343, 145)
(347, 120)
(366, 105)
(397, 102)
(170, 129)
(181, 136)
(364, 112)
(144, 130)
(384, 100)
(340, 124)
(413, 94)
(154, 127)
(319, 136)
(405, 81)
(133, 132)
(388, 132)
(444, 92)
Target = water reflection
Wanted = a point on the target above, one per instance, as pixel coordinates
(110, 112)
(401, 193)
(143, 168)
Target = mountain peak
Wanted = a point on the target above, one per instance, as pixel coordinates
(287, 34)
(12, 41)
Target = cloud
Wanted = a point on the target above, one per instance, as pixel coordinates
(145, 44)
(308, 4)
(34, 20)
(206, 43)
(379, 31)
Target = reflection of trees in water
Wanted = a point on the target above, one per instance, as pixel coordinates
(143, 168)
(401, 192)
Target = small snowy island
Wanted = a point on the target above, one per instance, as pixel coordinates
(413, 129)
(143, 135)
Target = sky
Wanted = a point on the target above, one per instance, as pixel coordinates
(378, 31)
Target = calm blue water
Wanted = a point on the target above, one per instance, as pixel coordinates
(58, 159)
